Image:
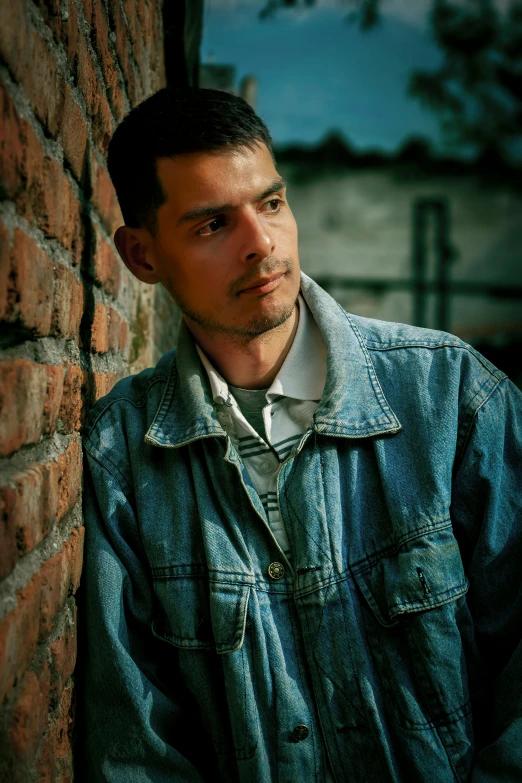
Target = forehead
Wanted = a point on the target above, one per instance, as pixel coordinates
(207, 178)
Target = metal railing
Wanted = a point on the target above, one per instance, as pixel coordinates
(419, 284)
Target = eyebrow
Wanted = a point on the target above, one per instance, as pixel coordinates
(202, 212)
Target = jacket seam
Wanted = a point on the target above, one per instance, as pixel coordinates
(108, 465)
(372, 374)
(166, 399)
(119, 397)
(462, 443)
(374, 345)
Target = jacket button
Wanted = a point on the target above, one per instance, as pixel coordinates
(300, 732)
(276, 570)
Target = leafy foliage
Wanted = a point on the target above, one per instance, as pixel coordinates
(476, 92)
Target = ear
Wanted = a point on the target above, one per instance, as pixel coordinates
(135, 248)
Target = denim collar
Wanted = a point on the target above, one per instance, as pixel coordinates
(353, 404)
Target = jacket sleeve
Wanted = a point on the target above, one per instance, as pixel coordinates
(139, 720)
(487, 516)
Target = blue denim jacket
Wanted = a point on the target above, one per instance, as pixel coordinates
(392, 635)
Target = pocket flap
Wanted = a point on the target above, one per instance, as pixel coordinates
(425, 573)
(199, 614)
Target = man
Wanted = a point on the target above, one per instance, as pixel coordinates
(303, 527)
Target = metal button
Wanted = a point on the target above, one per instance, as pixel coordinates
(265, 466)
(276, 570)
(300, 732)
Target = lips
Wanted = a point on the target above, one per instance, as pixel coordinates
(264, 282)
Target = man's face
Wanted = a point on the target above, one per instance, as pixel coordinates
(226, 246)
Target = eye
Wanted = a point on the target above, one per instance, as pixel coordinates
(274, 205)
(212, 227)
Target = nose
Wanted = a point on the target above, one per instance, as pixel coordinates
(256, 240)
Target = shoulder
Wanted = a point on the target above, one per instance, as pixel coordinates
(421, 345)
(427, 366)
(129, 407)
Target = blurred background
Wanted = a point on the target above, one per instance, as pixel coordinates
(398, 126)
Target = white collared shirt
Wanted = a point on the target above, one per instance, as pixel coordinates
(291, 403)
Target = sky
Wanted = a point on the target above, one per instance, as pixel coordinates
(317, 73)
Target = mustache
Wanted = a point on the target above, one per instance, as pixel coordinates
(268, 266)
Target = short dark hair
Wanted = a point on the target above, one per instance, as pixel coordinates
(174, 122)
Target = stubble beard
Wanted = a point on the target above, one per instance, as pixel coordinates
(257, 325)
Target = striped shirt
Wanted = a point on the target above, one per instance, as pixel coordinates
(290, 403)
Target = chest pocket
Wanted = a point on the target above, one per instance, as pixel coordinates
(426, 575)
(199, 617)
(416, 623)
(195, 613)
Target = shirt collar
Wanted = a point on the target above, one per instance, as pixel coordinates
(352, 404)
(303, 373)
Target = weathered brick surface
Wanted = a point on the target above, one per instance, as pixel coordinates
(27, 283)
(29, 714)
(36, 183)
(100, 385)
(63, 654)
(66, 305)
(105, 202)
(72, 407)
(30, 503)
(73, 134)
(107, 267)
(30, 396)
(35, 613)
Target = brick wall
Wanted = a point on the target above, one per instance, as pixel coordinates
(72, 321)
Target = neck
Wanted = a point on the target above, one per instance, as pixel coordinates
(252, 364)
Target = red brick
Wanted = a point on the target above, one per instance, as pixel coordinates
(30, 397)
(100, 385)
(5, 270)
(43, 82)
(51, 12)
(116, 323)
(8, 547)
(30, 501)
(63, 655)
(73, 134)
(72, 39)
(27, 299)
(69, 478)
(87, 80)
(41, 191)
(102, 121)
(129, 6)
(45, 766)
(14, 26)
(72, 410)
(20, 154)
(23, 392)
(107, 266)
(100, 329)
(100, 39)
(104, 200)
(116, 100)
(60, 733)
(121, 33)
(19, 631)
(124, 335)
(29, 715)
(58, 578)
(68, 303)
(87, 10)
(60, 214)
(53, 397)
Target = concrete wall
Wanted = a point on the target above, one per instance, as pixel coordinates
(72, 321)
(358, 223)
